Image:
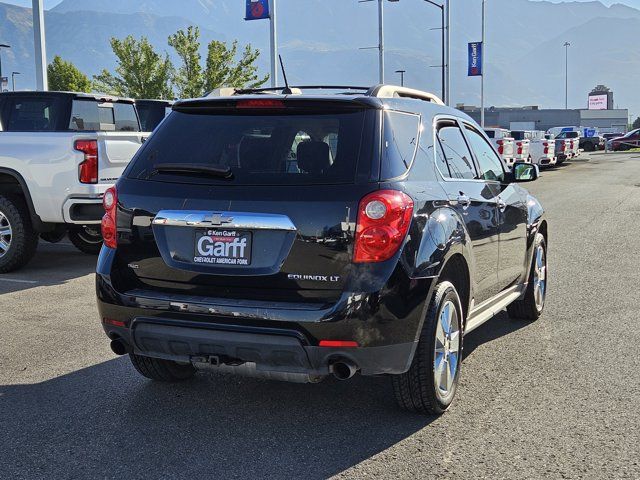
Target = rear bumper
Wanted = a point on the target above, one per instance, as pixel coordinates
(276, 336)
(83, 210)
(271, 351)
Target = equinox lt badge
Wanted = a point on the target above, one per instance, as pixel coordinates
(314, 278)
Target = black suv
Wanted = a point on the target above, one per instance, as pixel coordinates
(294, 236)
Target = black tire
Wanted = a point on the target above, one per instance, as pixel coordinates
(528, 308)
(416, 390)
(22, 240)
(86, 239)
(161, 370)
(56, 235)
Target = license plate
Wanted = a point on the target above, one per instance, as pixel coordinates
(222, 247)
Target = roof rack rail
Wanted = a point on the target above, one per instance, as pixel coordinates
(390, 91)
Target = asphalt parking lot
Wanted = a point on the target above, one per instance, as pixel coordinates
(554, 399)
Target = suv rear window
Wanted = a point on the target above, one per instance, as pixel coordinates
(401, 132)
(260, 148)
(89, 115)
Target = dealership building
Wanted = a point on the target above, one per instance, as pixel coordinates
(600, 114)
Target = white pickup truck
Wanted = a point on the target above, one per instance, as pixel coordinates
(522, 147)
(59, 152)
(503, 142)
(541, 150)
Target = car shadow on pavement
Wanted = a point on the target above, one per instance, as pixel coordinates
(53, 264)
(499, 326)
(106, 421)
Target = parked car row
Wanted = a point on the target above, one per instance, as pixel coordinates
(534, 146)
(59, 153)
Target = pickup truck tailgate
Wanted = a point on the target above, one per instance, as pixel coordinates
(115, 151)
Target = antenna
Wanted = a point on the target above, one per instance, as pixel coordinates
(286, 90)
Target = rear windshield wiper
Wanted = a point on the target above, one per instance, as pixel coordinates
(209, 170)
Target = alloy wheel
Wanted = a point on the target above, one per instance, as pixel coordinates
(447, 349)
(540, 278)
(5, 235)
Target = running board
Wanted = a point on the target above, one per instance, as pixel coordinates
(489, 309)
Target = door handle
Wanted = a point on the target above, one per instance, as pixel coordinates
(502, 205)
(463, 200)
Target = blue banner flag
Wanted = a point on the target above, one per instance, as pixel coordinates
(475, 59)
(257, 9)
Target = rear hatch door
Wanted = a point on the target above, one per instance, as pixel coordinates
(251, 203)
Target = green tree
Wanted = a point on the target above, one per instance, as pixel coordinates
(636, 124)
(189, 78)
(64, 76)
(140, 72)
(223, 71)
(221, 68)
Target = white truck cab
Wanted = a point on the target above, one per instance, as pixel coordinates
(59, 153)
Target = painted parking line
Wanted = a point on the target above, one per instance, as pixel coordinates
(16, 280)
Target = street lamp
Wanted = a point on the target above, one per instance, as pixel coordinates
(566, 77)
(401, 72)
(445, 29)
(13, 79)
(2, 45)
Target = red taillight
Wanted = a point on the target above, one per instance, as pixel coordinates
(500, 147)
(260, 103)
(563, 146)
(115, 323)
(88, 169)
(546, 148)
(338, 343)
(519, 148)
(383, 222)
(109, 224)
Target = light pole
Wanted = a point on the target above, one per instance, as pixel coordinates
(401, 72)
(566, 76)
(40, 46)
(273, 39)
(484, 51)
(13, 79)
(2, 45)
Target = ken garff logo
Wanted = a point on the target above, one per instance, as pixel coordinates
(217, 219)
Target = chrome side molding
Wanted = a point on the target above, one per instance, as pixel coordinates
(212, 219)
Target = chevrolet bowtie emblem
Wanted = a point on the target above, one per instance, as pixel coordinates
(218, 219)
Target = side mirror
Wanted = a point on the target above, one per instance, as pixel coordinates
(525, 172)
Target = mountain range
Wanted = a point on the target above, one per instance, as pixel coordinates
(321, 42)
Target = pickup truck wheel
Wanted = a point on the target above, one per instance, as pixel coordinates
(161, 370)
(86, 239)
(532, 305)
(430, 384)
(18, 239)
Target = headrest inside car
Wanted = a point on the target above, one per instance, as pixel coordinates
(313, 157)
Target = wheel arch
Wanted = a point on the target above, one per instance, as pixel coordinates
(12, 183)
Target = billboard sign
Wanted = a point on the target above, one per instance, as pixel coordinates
(257, 9)
(598, 102)
(475, 59)
(4, 84)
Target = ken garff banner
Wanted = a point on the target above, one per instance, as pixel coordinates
(257, 9)
(475, 59)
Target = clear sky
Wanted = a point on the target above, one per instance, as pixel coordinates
(53, 3)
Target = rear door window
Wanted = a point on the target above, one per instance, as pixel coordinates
(32, 115)
(489, 162)
(457, 155)
(261, 148)
(401, 131)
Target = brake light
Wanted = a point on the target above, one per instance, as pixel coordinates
(546, 148)
(260, 103)
(519, 148)
(109, 223)
(88, 169)
(500, 147)
(383, 222)
(338, 343)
